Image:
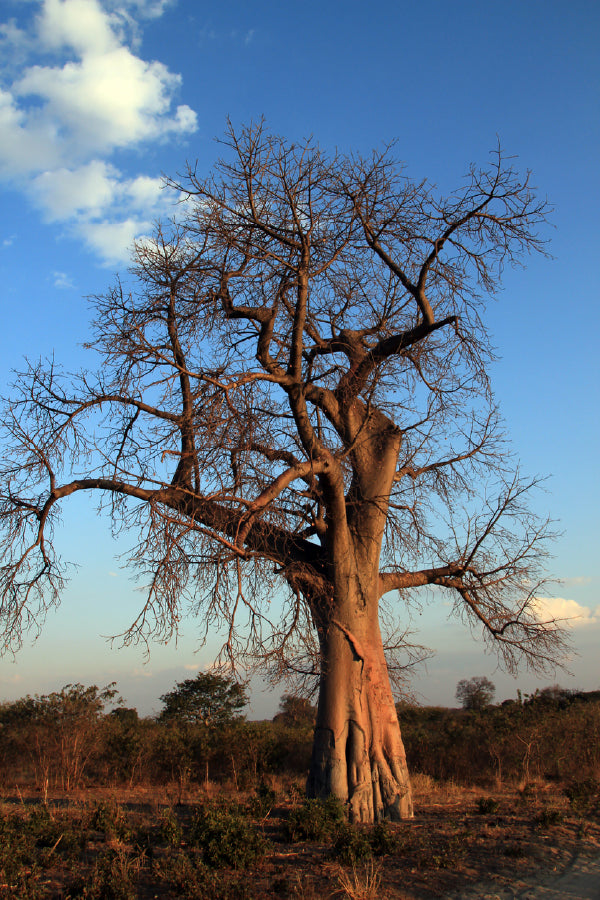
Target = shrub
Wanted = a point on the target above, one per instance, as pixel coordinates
(17, 851)
(114, 876)
(315, 820)
(186, 875)
(107, 816)
(383, 840)
(170, 830)
(351, 844)
(583, 794)
(191, 879)
(263, 801)
(226, 839)
(54, 834)
(487, 805)
(549, 817)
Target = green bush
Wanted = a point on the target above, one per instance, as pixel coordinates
(315, 820)
(17, 850)
(226, 838)
(185, 874)
(351, 844)
(191, 879)
(170, 830)
(107, 816)
(263, 801)
(55, 834)
(114, 876)
(383, 840)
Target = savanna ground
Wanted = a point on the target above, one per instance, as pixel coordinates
(219, 843)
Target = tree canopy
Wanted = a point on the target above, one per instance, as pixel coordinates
(209, 699)
(73, 703)
(295, 711)
(476, 692)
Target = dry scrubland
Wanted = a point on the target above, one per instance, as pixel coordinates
(109, 806)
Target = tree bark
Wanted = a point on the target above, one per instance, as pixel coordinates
(358, 754)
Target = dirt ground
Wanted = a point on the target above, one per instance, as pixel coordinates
(532, 846)
(463, 844)
(579, 881)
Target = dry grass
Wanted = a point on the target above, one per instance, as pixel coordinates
(427, 790)
(362, 883)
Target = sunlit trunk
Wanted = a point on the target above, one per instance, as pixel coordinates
(358, 754)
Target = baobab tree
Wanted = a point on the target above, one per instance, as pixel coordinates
(291, 413)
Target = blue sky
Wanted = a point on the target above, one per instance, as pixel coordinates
(98, 98)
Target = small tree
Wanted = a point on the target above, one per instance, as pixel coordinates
(209, 699)
(475, 693)
(206, 705)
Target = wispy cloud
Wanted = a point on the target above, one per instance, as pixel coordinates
(62, 281)
(208, 33)
(77, 93)
(142, 673)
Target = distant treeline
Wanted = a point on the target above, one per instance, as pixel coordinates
(553, 734)
(69, 740)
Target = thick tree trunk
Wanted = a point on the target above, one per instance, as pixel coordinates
(358, 754)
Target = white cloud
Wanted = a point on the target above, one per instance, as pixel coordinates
(27, 141)
(185, 119)
(560, 608)
(191, 667)
(112, 241)
(93, 200)
(87, 192)
(107, 101)
(15, 44)
(66, 193)
(60, 122)
(144, 191)
(79, 24)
